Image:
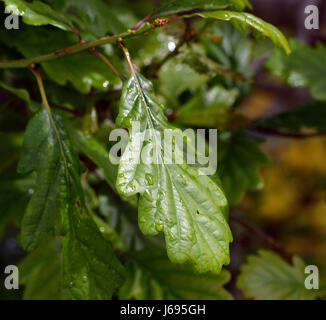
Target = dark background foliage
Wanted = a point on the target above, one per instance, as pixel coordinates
(288, 215)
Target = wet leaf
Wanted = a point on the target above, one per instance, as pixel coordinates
(188, 207)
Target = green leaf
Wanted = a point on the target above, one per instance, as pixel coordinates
(99, 155)
(233, 52)
(37, 13)
(239, 160)
(306, 66)
(83, 70)
(87, 271)
(122, 218)
(169, 7)
(233, 55)
(93, 18)
(243, 21)
(90, 268)
(176, 77)
(22, 94)
(43, 155)
(15, 192)
(310, 115)
(151, 276)
(10, 150)
(65, 96)
(98, 17)
(208, 108)
(188, 207)
(268, 277)
(41, 272)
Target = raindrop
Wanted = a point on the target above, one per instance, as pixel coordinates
(159, 226)
(171, 46)
(106, 84)
(172, 236)
(149, 179)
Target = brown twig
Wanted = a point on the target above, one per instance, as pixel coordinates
(100, 55)
(79, 47)
(269, 240)
(142, 21)
(39, 80)
(277, 133)
(77, 33)
(107, 62)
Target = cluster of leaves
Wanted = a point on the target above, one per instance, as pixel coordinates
(77, 212)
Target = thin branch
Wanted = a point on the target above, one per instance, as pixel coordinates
(77, 33)
(98, 54)
(142, 21)
(269, 240)
(282, 134)
(107, 62)
(79, 47)
(260, 233)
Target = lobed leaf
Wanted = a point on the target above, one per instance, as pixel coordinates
(90, 268)
(43, 156)
(234, 51)
(306, 66)
(151, 276)
(41, 272)
(209, 108)
(268, 277)
(188, 207)
(37, 13)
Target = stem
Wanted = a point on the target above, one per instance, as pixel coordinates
(100, 55)
(76, 32)
(142, 21)
(79, 47)
(108, 63)
(128, 57)
(48, 109)
(41, 88)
